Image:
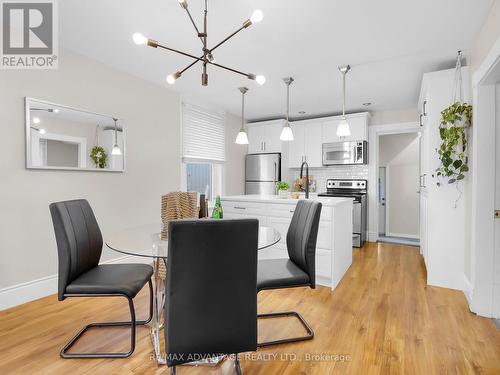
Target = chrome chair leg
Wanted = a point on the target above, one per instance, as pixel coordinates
(237, 366)
(308, 336)
(132, 323)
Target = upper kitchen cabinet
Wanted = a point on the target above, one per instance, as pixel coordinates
(358, 124)
(306, 146)
(264, 137)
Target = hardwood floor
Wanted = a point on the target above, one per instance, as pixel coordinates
(382, 319)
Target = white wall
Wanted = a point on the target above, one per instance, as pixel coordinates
(235, 158)
(485, 40)
(120, 200)
(486, 37)
(394, 117)
(399, 153)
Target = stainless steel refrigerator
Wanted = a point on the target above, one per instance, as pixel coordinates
(262, 171)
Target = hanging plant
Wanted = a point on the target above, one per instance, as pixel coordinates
(453, 131)
(99, 156)
(455, 120)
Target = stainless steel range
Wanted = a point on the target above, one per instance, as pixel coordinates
(356, 189)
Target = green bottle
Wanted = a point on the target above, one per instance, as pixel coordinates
(217, 212)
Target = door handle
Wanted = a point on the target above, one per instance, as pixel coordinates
(239, 208)
(420, 120)
(265, 146)
(424, 108)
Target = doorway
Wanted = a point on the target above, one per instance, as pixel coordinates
(381, 200)
(483, 265)
(496, 255)
(398, 181)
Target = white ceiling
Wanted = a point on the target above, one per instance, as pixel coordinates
(389, 44)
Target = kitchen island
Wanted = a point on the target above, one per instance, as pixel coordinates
(334, 244)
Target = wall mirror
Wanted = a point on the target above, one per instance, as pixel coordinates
(62, 137)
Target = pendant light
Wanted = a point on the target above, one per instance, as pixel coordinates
(116, 149)
(286, 132)
(242, 138)
(343, 129)
(206, 58)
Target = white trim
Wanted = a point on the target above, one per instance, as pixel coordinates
(18, 294)
(387, 198)
(374, 132)
(403, 235)
(483, 185)
(373, 237)
(488, 64)
(80, 141)
(468, 291)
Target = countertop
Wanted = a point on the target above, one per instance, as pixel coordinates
(331, 201)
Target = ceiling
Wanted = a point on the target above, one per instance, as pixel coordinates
(388, 43)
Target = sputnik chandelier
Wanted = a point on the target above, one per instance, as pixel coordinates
(207, 57)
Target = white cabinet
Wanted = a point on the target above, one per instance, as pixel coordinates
(309, 136)
(307, 144)
(313, 144)
(242, 210)
(264, 137)
(358, 124)
(296, 148)
(443, 225)
(334, 242)
(256, 135)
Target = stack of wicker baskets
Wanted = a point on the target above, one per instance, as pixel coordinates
(176, 205)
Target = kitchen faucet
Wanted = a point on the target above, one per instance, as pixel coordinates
(307, 176)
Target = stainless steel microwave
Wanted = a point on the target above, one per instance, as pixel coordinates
(341, 153)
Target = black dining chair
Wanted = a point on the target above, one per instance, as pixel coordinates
(79, 247)
(211, 299)
(299, 269)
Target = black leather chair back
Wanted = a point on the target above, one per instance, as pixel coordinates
(301, 237)
(79, 240)
(211, 288)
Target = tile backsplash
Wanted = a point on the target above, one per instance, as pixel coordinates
(339, 171)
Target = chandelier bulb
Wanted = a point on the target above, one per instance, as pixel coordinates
(139, 39)
(260, 79)
(257, 16)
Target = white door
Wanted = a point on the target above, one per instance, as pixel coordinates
(296, 147)
(313, 144)
(381, 201)
(496, 256)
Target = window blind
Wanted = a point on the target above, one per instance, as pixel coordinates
(203, 134)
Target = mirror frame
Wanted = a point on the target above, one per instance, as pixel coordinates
(28, 100)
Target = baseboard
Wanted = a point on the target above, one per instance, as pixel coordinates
(372, 237)
(324, 281)
(32, 290)
(403, 235)
(468, 291)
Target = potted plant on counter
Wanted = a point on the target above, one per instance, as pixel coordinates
(283, 189)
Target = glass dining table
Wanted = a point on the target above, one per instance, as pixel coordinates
(146, 241)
